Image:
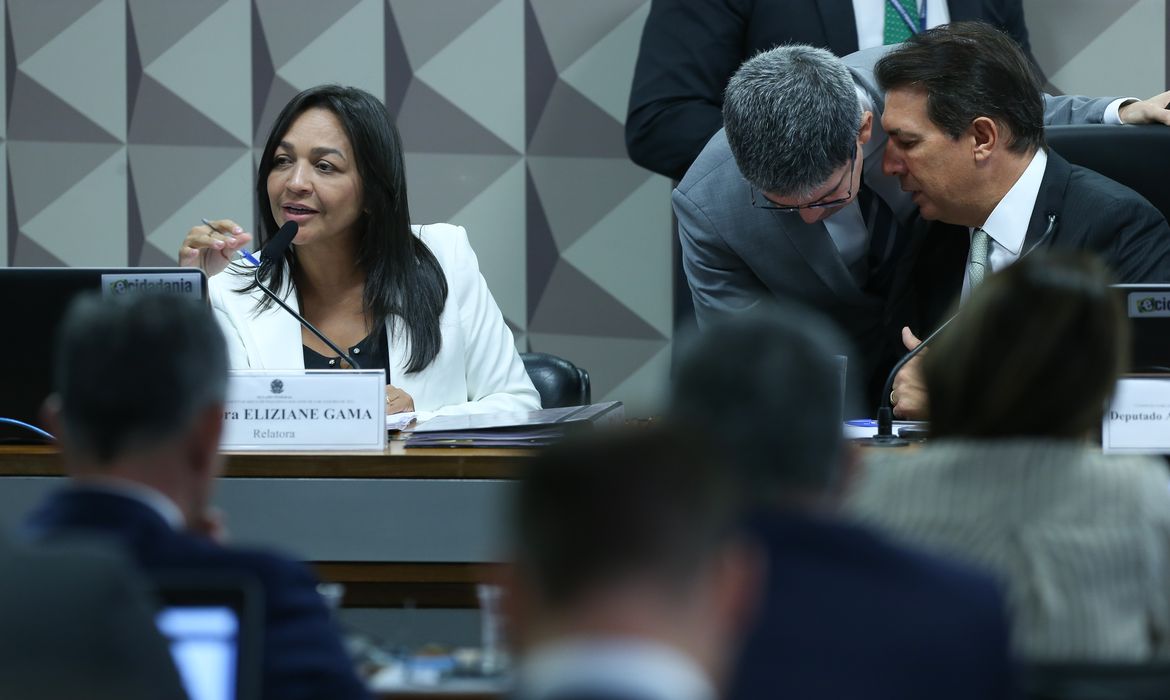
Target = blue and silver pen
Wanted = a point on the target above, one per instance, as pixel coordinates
(247, 256)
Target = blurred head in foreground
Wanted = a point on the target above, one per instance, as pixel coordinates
(628, 574)
(767, 386)
(1035, 352)
(139, 386)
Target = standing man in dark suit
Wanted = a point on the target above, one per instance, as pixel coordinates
(691, 48)
(138, 410)
(964, 119)
(846, 613)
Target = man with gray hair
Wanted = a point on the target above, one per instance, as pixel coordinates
(138, 399)
(789, 200)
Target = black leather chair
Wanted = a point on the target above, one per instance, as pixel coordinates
(559, 382)
(1089, 681)
(1135, 156)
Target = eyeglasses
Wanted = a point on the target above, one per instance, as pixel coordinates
(765, 203)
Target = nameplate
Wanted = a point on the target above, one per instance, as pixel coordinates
(1139, 419)
(305, 410)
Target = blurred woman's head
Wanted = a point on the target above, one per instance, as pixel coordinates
(1036, 351)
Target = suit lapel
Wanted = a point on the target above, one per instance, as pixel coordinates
(839, 23)
(1049, 200)
(812, 241)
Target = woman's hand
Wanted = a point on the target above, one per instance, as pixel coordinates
(211, 249)
(397, 400)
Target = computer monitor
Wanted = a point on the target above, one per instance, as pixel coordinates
(213, 625)
(1148, 308)
(32, 303)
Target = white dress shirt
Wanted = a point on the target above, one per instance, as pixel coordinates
(1008, 223)
(623, 667)
(871, 19)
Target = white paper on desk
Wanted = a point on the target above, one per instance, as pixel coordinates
(399, 421)
(867, 429)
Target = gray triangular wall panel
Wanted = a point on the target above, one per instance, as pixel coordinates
(47, 170)
(279, 94)
(34, 23)
(428, 26)
(28, 253)
(164, 23)
(573, 303)
(35, 114)
(162, 117)
(429, 123)
(290, 25)
(567, 116)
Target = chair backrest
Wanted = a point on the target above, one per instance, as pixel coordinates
(1096, 681)
(1131, 155)
(559, 382)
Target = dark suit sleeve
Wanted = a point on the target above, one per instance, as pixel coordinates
(1009, 16)
(1140, 251)
(303, 645)
(689, 50)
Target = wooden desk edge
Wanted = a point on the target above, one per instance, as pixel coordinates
(394, 463)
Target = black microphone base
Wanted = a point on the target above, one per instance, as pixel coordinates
(883, 441)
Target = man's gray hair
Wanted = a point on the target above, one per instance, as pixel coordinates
(791, 115)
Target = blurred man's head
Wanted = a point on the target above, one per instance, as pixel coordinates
(630, 535)
(766, 385)
(795, 126)
(139, 386)
(964, 109)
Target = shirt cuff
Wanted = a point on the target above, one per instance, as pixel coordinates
(1111, 112)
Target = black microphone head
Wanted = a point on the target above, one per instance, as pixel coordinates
(276, 248)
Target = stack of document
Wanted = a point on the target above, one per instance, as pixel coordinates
(528, 429)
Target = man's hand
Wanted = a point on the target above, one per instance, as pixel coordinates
(1151, 111)
(909, 395)
(211, 523)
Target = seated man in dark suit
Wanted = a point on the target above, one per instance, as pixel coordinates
(628, 580)
(964, 114)
(138, 409)
(75, 622)
(847, 614)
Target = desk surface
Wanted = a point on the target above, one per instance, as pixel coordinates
(396, 462)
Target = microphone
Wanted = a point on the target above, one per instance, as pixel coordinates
(274, 251)
(885, 414)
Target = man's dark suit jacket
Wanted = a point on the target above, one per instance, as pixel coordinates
(1092, 213)
(303, 656)
(849, 615)
(691, 48)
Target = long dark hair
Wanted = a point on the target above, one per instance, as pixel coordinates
(403, 277)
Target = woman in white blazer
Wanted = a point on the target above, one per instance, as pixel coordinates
(408, 299)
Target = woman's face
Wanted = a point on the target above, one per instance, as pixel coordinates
(314, 180)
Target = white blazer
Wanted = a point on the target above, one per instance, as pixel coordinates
(477, 369)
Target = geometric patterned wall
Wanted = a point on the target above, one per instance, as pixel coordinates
(128, 120)
(1101, 48)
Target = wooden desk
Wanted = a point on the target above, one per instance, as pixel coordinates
(418, 527)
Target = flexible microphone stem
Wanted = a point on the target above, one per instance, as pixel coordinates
(885, 414)
(275, 251)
